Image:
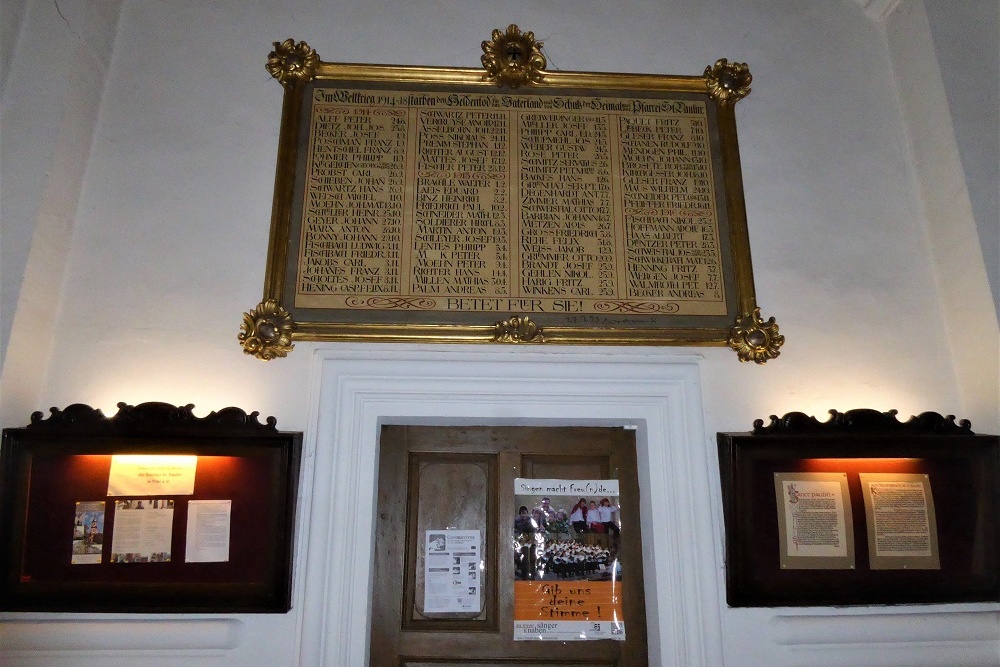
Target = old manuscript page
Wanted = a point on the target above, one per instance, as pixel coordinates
(815, 524)
(902, 529)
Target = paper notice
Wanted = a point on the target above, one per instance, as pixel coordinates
(142, 475)
(452, 571)
(143, 530)
(567, 575)
(88, 533)
(208, 529)
(902, 530)
(814, 520)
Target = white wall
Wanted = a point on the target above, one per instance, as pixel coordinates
(172, 226)
(11, 14)
(51, 94)
(170, 229)
(946, 203)
(969, 59)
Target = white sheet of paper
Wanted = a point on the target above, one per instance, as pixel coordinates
(208, 530)
(452, 571)
(146, 475)
(902, 523)
(142, 533)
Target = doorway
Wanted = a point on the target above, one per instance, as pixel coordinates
(360, 388)
(461, 478)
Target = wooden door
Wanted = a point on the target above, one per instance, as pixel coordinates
(463, 478)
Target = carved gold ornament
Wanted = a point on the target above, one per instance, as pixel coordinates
(513, 58)
(728, 83)
(292, 63)
(518, 330)
(754, 339)
(267, 331)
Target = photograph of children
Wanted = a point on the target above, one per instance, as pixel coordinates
(563, 537)
(88, 533)
(566, 541)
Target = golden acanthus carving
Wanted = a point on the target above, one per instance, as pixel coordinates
(267, 331)
(513, 58)
(518, 329)
(754, 339)
(728, 83)
(292, 62)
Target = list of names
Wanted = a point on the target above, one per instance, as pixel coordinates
(524, 204)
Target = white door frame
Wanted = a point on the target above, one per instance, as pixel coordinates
(357, 388)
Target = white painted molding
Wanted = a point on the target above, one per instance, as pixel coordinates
(359, 388)
(78, 635)
(884, 628)
(931, 638)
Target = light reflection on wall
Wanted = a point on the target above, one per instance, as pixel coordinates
(97, 465)
(209, 377)
(858, 465)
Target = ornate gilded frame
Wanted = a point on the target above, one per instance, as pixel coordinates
(511, 60)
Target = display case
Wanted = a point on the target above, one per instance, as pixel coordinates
(861, 509)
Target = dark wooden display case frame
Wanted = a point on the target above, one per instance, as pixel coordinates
(49, 465)
(964, 473)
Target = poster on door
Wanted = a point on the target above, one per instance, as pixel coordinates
(452, 571)
(567, 576)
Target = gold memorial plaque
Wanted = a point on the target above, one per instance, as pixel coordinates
(507, 205)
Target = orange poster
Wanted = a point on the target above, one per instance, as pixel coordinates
(568, 578)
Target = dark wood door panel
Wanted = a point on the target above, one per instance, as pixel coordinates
(565, 467)
(436, 477)
(542, 662)
(451, 490)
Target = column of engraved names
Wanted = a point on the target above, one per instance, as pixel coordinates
(566, 228)
(352, 213)
(670, 218)
(460, 220)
